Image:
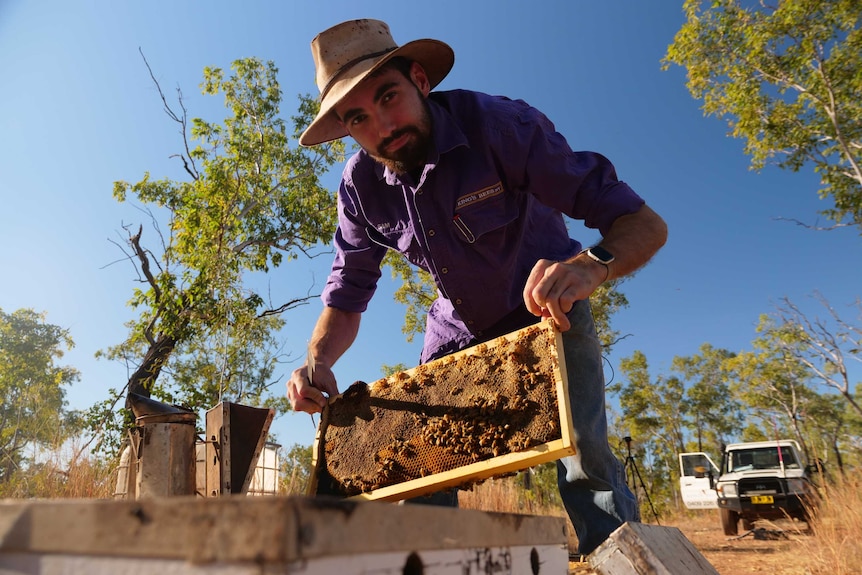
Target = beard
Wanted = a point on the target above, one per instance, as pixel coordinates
(414, 152)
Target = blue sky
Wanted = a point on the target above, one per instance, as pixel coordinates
(80, 111)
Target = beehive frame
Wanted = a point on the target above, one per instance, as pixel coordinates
(480, 470)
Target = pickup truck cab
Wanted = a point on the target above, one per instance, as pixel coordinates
(756, 480)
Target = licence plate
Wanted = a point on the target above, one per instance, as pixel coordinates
(761, 499)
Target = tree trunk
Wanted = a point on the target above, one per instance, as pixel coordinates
(141, 382)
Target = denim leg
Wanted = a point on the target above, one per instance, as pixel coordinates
(592, 482)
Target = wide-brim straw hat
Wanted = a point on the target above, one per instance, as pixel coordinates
(348, 53)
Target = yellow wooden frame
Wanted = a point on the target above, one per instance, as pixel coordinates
(481, 470)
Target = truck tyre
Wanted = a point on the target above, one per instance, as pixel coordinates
(729, 521)
(747, 524)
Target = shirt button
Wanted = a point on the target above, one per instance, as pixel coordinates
(431, 233)
(470, 322)
(458, 301)
(444, 270)
(418, 192)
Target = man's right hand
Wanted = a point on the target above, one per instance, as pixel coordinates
(307, 396)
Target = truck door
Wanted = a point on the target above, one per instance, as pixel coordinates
(697, 475)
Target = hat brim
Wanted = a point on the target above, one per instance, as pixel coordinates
(436, 57)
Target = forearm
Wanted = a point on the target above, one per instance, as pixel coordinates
(633, 239)
(333, 334)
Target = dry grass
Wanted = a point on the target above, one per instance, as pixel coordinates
(836, 547)
(505, 495)
(54, 478)
(833, 546)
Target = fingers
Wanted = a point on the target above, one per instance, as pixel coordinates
(552, 289)
(534, 297)
(558, 310)
(304, 396)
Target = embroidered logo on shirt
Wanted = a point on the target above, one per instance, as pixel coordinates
(478, 196)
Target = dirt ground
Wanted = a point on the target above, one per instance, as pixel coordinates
(772, 549)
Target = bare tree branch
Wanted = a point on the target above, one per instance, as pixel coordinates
(182, 120)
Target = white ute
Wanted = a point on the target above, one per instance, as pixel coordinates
(756, 480)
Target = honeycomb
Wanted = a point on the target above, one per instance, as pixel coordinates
(487, 401)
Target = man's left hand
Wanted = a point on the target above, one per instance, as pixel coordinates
(554, 287)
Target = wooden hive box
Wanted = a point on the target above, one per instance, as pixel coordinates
(489, 410)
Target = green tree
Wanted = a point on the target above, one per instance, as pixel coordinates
(653, 411)
(823, 345)
(253, 200)
(653, 408)
(773, 384)
(32, 395)
(296, 470)
(715, 414)
(827, 423)
(785, 76)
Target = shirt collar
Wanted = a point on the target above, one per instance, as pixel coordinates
(447, 136)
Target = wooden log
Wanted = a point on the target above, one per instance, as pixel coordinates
(237, 535)
(641, 549)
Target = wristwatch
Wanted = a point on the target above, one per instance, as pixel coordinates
(599, 254)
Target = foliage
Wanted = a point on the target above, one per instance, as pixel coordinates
(296, 470)
(32, 396)
(823, 345)
(786, 78)
(654, 416)
(253, 200)
(796, 358)
(387, 370)
(714, 412)
(794, 383)
(651, 405)
(772, 384)
(417, 292)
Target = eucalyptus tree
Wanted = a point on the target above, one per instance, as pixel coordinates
(825, 345)
(32, 387)
(773, 383)
(654, 413)
(252, 200)
(714, 413)
(785, 77)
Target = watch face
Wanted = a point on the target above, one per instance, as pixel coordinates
(600, 254)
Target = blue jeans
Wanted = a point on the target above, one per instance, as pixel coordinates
(592, 482)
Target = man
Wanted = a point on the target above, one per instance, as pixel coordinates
(472, 188)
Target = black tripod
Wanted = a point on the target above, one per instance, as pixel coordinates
(632, 473)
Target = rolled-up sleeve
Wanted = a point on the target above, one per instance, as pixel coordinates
(355, 269)
(582, 185)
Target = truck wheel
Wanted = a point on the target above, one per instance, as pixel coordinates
(729, 521)
(747, 524)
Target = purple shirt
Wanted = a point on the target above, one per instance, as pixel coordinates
(488, 205)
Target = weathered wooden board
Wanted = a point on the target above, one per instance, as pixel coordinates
(239, 535)
(641, 549)
(466, 471)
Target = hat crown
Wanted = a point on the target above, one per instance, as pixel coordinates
(342, 46)
(348, 53)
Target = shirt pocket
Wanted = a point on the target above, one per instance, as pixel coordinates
(487, 221)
